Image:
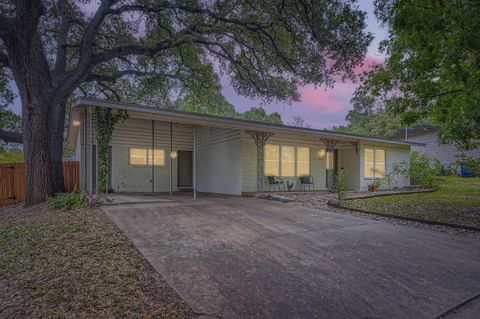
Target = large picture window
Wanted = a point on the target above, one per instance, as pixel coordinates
(286, 161)
(272, 160)
(147, 156)
(303, 161)
(374, 162)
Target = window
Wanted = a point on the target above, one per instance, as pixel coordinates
(138, 156)
(303, 161)
(272, 160)
(145, 156)
(374, 163)
(286, 160)
(379, 163)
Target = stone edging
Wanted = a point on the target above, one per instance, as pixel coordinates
(428, 190)
(332, 203)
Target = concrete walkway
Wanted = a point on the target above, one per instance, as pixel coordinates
(249, 258)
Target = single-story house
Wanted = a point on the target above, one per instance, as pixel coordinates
(447, 154)
(160, 150)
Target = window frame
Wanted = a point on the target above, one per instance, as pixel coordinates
(374, 151)
(280, 162)
(149, 157)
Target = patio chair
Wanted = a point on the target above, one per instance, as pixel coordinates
(305, 181)
(275, 181)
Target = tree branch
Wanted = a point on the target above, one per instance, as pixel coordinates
(61, 55)
(11, 137)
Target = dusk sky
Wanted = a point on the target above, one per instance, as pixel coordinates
(320, 108)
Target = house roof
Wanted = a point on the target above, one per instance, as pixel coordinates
(415, 131)
(214, 121)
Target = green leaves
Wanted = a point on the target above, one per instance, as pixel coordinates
(105, 121)
(432, 67)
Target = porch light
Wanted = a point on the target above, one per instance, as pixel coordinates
(321, 154)
(173, 154)
(76, 123)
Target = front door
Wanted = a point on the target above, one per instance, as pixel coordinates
(184, 172)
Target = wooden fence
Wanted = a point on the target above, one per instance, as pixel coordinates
(12, 181)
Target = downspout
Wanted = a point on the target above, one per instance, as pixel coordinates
(194, 163)
(153, 156)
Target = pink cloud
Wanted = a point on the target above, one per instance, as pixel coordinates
(320, 99)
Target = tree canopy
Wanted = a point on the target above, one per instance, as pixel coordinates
(374, 120)
(159, 51)
(432, 69)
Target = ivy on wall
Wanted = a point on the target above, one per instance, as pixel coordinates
(105, 121)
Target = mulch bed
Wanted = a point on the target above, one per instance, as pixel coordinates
(57, 264)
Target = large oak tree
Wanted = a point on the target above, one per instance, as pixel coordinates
(56, 49)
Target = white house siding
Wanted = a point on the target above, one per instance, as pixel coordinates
(249, 160)
(393, 155)
(135, 132)
(219, 168)
(349, 160)
(447, 154)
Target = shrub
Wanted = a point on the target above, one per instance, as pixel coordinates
(472, 164)
(68, 201)
(341, 185)
(418, 169)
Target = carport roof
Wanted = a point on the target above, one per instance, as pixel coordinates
(213, 121)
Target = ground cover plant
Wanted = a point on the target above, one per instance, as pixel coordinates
(456, 201)
(76, 264)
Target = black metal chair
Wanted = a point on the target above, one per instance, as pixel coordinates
(275, 181)
(305, 181)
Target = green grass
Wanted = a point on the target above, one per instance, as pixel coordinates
(457, 201)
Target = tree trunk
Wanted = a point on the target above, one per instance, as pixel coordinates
(38, 173)
(57, 127)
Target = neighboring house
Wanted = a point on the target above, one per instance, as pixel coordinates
(222, 155)
(447, 154)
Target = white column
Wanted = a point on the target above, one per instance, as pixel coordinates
(171, 159)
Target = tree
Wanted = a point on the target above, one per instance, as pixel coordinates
(365, 118)
(259, 114)
(432, 67)
(299, 122)
(159, 49)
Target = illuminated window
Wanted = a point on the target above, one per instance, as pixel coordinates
(138, 156)
(379, 163)
(303, 161)
(272, 160)
(374, 163)
(158, 157)
(145, 156)
(288, 161)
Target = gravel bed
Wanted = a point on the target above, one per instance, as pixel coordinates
(318, 200)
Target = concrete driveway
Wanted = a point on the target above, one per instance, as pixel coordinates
(249, 258)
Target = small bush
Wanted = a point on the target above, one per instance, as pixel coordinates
(472, 164)
(341, 185)
(68, 201)
(418, 169)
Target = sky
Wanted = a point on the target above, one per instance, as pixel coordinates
(320, 108)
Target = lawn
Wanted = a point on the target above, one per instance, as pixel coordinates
(457, 201)
(57, 264)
